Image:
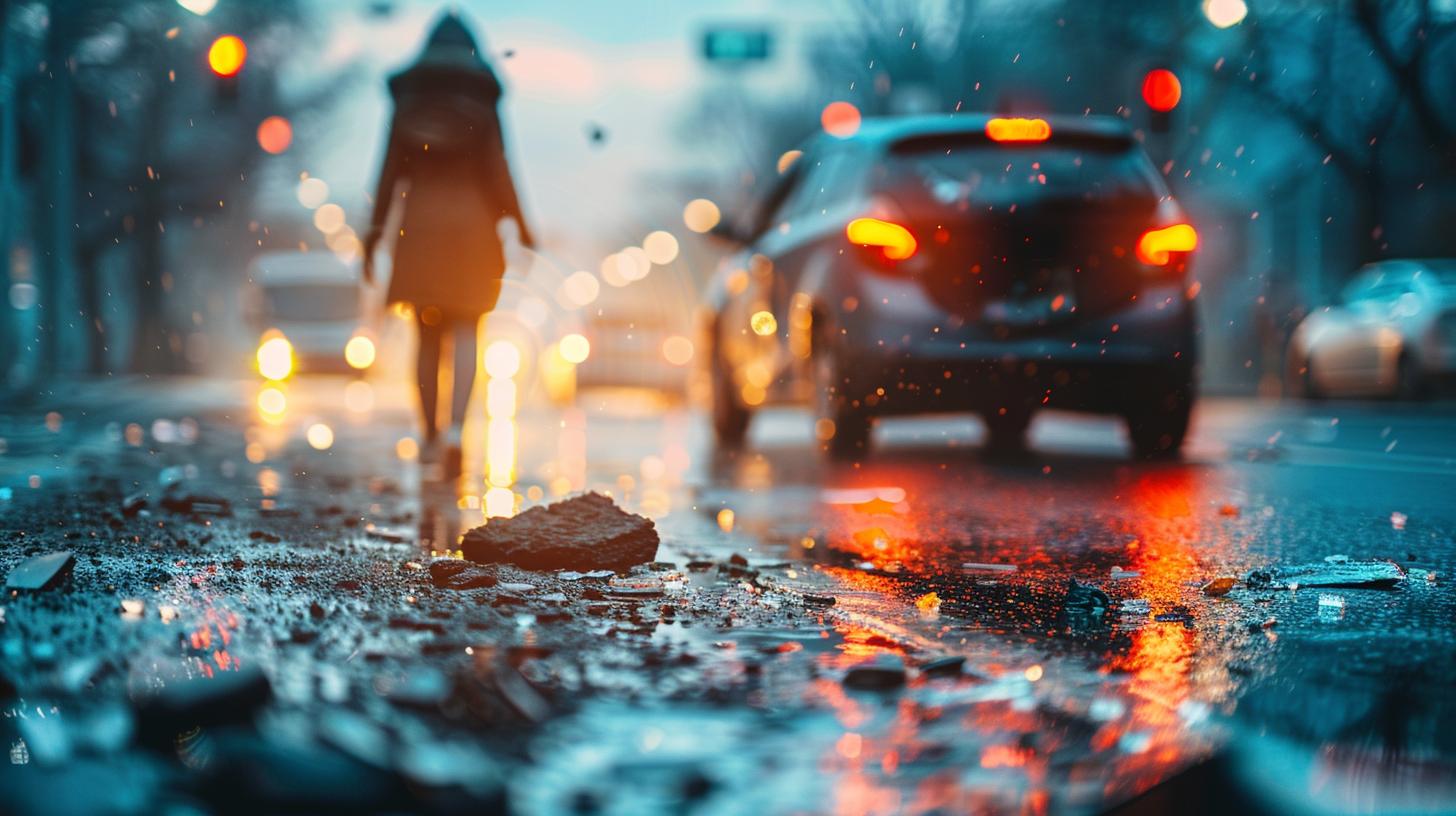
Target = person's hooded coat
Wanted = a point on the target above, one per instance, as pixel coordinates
(445, 172)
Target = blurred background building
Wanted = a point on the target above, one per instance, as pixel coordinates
(146, 159)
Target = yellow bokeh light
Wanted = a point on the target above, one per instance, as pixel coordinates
(329, 218)
(701, 215)
(661, 247)
(763, 323)
(499, 502)
(1225, 13)
(611, 270)
(275, 357)
(575, 348)
(502, 359)
(725, 520)
(320, 436)
(359, 352)
(500, 398)
(500, 451)
(227, 55)
(677, 350)
(753, 395)
(271, 401)
(407, 448)
(633, 263)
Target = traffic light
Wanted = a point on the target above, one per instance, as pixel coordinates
(1161, 93)
(226, 58)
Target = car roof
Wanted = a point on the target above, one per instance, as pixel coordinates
(884, 131)
(289, 268)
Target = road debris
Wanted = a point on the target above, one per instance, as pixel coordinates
(41, 571)
(1337, 574)
(1220, 586)
(976, 566)
(884, 673)
(452, 573)
(584, 532)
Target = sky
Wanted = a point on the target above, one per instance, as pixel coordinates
(630, 67)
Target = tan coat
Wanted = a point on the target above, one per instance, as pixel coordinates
(445, 172)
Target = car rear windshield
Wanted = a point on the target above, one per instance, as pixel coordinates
(947, 172)
(313, 302)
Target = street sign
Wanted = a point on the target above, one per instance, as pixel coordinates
(737, 44)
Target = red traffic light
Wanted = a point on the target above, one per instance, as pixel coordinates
(1162, 90)
(227, 55)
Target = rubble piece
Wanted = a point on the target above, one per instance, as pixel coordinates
(225, 698)
(519, 693)
(41, 571)
(881, 674)
(452, 573)
(583, 532)
(1338, 575)
(1177, 614)
(1220, 586)
(1085, 599)
(134, 504)
(811, 599)
(572, 575)
(197, 505)
(948, 666)
(928, 604)
(636, 585)
(976, 566)
(388, 534)
(1136, 606)
(1118, 573)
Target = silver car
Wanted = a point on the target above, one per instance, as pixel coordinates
(1392, 333)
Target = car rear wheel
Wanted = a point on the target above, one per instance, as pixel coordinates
(730, 417)
(1157, 421)
(842, 427)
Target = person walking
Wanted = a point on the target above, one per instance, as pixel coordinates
(443, 191)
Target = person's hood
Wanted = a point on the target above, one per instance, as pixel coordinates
(451, 59)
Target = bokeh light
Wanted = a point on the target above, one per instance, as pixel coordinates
(1225, 13)
(661, 247)
(275, 357)
(1162, 90)
(502, 359)
(787, 160)
(272, 401)
(677, 350)
(701, 215)
(359, 352)
(763, 323)
(227, 55)
(359, 396)
(581, 287)
(840, 119)
(275, 134)
(312, 192)
(320, 436)
(329, 218)
(575, 348)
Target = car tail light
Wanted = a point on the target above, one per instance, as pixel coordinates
(1018, 130)
(1159, 247)
(888, 240)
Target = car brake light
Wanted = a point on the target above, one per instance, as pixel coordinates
(894, 241)
(1018, 130)
(1157, 246)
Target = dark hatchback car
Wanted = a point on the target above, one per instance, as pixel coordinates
(958, 263)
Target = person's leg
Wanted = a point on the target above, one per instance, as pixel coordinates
(465, 363)
(427, 374)
(462, 383)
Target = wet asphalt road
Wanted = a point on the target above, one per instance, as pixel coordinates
(731, 690)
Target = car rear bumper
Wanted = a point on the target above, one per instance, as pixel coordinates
(909, 357)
